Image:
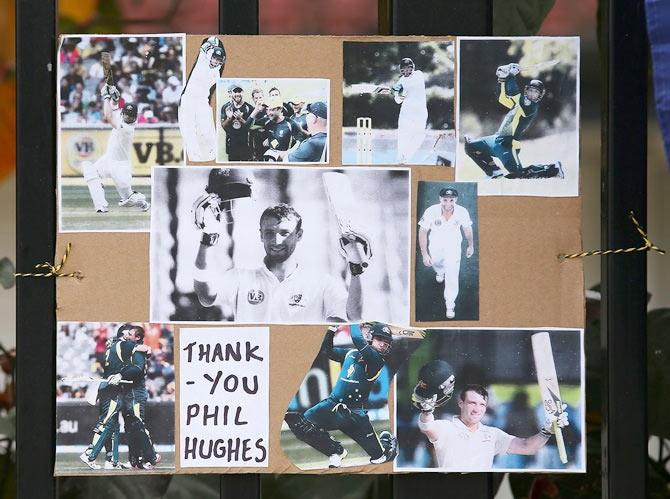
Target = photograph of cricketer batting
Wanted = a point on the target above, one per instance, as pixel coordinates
(398, 103)
(446, 279)
(339, 416)
(493, 400)
(196, 121)
(518, 118)
(280, 245)
(276, 119)
(118, 100)
(115, 393)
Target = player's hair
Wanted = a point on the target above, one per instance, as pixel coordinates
(129, 327)
(256, 91)
(479, 389)
(274, 88)
(281, 211)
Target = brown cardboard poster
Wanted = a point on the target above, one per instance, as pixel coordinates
(522, 281)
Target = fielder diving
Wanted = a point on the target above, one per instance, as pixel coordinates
(505, 144)
(344, 409)
(115, 162)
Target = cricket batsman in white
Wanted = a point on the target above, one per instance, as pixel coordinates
(115, 162)
(463, 442)
(196, 120)
(410, 92)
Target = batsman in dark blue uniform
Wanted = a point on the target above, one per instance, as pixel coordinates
(344, 409)
(505, 143)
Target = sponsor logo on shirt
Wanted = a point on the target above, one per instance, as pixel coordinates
(255, 296)
(295, 300)
(438, 222)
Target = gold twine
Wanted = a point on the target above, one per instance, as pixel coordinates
(648, 245)
(54, 271)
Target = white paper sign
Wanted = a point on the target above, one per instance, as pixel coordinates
(223, 396)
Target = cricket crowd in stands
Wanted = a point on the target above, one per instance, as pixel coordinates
(81, 352)
(148, 72)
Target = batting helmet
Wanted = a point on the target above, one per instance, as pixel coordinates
(129, 113)
(537, 85)
(382, 331)
(229, 184)
(436, 378)
(218, 57)
(406, 66)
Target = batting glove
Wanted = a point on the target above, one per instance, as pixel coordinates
(114, 379)
(424, 404)
(560, 418)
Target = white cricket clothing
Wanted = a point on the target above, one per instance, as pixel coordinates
(413, 115)
(457, 448)
(196, 121)
(114, 163)
(120, 141)
(202, 77)
(444, 245)
(302, 297)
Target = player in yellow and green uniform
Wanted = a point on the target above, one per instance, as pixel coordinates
(505, 143)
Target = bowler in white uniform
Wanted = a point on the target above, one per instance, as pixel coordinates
(441, 230)
(281, 290)
(463, 443)
(196, 121)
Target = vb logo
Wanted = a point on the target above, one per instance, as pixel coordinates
(255, 296)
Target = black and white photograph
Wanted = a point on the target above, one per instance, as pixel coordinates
(339, 416)
(196, 122)
(398, 103)
(273, 119)
(118, 99)
(280, 245)
(446, 279)
(481, 400)
(518, 118)
(115, 396)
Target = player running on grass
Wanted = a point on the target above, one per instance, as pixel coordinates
(115, 162)
(344, 409)
(505, 143)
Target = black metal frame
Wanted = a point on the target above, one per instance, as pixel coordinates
(624, 277)
(624, 280)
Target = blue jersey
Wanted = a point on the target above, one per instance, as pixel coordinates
(361, 367)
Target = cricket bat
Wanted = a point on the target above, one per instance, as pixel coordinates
(368, 88)
(94, 385)
(106, 61)
(548, 381)
(343, 206)
(540, 66)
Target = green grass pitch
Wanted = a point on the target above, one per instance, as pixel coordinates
(77, 212)
(68, 463)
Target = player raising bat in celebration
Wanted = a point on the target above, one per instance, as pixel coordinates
(115, 162)
(505, 144)
(410, 92)
(463, 442)
(196, 121)
(280, 289)
(345, 407)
